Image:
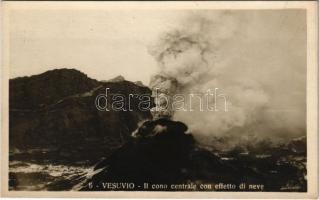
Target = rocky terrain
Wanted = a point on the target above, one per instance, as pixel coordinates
(55, 111)
(56, 135)
(161, 152)
(53, 120)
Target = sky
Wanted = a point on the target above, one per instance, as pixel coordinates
(102, 44)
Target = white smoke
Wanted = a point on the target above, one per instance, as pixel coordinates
(193, 58)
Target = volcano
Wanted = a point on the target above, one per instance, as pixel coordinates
(161, 151)
(56, 135)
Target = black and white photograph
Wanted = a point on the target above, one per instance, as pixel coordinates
(156, 98)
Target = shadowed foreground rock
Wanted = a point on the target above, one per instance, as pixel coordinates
(161, 152)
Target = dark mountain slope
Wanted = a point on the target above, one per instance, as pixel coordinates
(55, 112)
(47, 88)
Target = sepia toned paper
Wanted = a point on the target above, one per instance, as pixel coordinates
(159, 99)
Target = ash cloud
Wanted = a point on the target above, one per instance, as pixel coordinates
(228, 50)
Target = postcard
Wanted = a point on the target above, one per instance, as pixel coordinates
(160, 99)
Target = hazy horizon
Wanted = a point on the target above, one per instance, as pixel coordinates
(68, 68)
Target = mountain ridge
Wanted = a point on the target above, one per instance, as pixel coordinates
(62, 117)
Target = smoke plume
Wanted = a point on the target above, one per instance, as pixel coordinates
(196, 57)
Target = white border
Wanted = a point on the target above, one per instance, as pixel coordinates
(312, 92)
